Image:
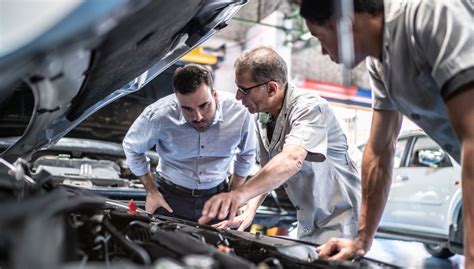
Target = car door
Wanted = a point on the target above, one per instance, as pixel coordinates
(420, 190)
(392, 213)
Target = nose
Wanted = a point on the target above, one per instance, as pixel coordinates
(239, 95)
(198, 115)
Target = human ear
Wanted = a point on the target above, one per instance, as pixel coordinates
(272, 88)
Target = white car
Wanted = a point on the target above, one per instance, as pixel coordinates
(425, 202)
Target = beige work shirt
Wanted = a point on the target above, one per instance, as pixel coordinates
(326, 191)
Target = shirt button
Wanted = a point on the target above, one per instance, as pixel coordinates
(200, 157)
(297, 207)
(415, 116)
(285, 185)
(202, 146)
(200, 173)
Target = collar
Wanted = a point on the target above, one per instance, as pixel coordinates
(219, 117)
(287, 101)
(265, 117)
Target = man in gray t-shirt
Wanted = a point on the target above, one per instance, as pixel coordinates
(420, 56)
(302, 147)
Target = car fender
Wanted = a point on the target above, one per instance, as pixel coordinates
(456, 200)
(455, 207)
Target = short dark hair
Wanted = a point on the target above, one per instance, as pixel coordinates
(187, 79)
(320, 11)
(264, 64)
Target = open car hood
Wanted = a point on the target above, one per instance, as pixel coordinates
(96, 54)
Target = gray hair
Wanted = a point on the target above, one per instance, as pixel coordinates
(264, 64)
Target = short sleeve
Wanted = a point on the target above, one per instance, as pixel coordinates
(380, 100)
(454, 85)
(308, 130)
(445, 36)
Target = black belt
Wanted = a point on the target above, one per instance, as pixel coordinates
(170, 186)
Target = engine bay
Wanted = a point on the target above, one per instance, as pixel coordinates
(50, 225)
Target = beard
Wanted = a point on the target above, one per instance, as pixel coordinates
(201, 126)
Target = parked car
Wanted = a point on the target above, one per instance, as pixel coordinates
(54, 79)
(425, 202)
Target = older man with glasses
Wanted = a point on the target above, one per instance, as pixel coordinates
(302, 147)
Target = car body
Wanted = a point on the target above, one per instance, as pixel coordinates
(425, 202)
(99, 53)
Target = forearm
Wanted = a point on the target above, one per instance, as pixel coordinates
(279, 169)
(149, 182)
(236, 181)
(377, 166)
(468, 198)
(377, 178)
(461, 114)
(256, 202)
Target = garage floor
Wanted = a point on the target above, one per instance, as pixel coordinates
(410, 255)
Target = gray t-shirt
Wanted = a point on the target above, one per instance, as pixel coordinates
(427, 45)
(326, 191)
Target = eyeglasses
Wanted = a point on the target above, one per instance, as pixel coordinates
(246, 91)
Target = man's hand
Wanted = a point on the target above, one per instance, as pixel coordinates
(241, 222)
(155, 200)
(222, 205)
(341, 249)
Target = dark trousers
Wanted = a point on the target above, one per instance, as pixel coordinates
(184, 205)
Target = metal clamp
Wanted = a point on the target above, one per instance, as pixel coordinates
(17, 170)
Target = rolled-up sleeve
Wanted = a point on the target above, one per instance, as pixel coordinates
(245, 158)
(141, 136)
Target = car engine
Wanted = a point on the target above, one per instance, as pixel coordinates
(49, 225)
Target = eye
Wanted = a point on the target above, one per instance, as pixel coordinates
(187, 109)
(205, 106)
(244, 91)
